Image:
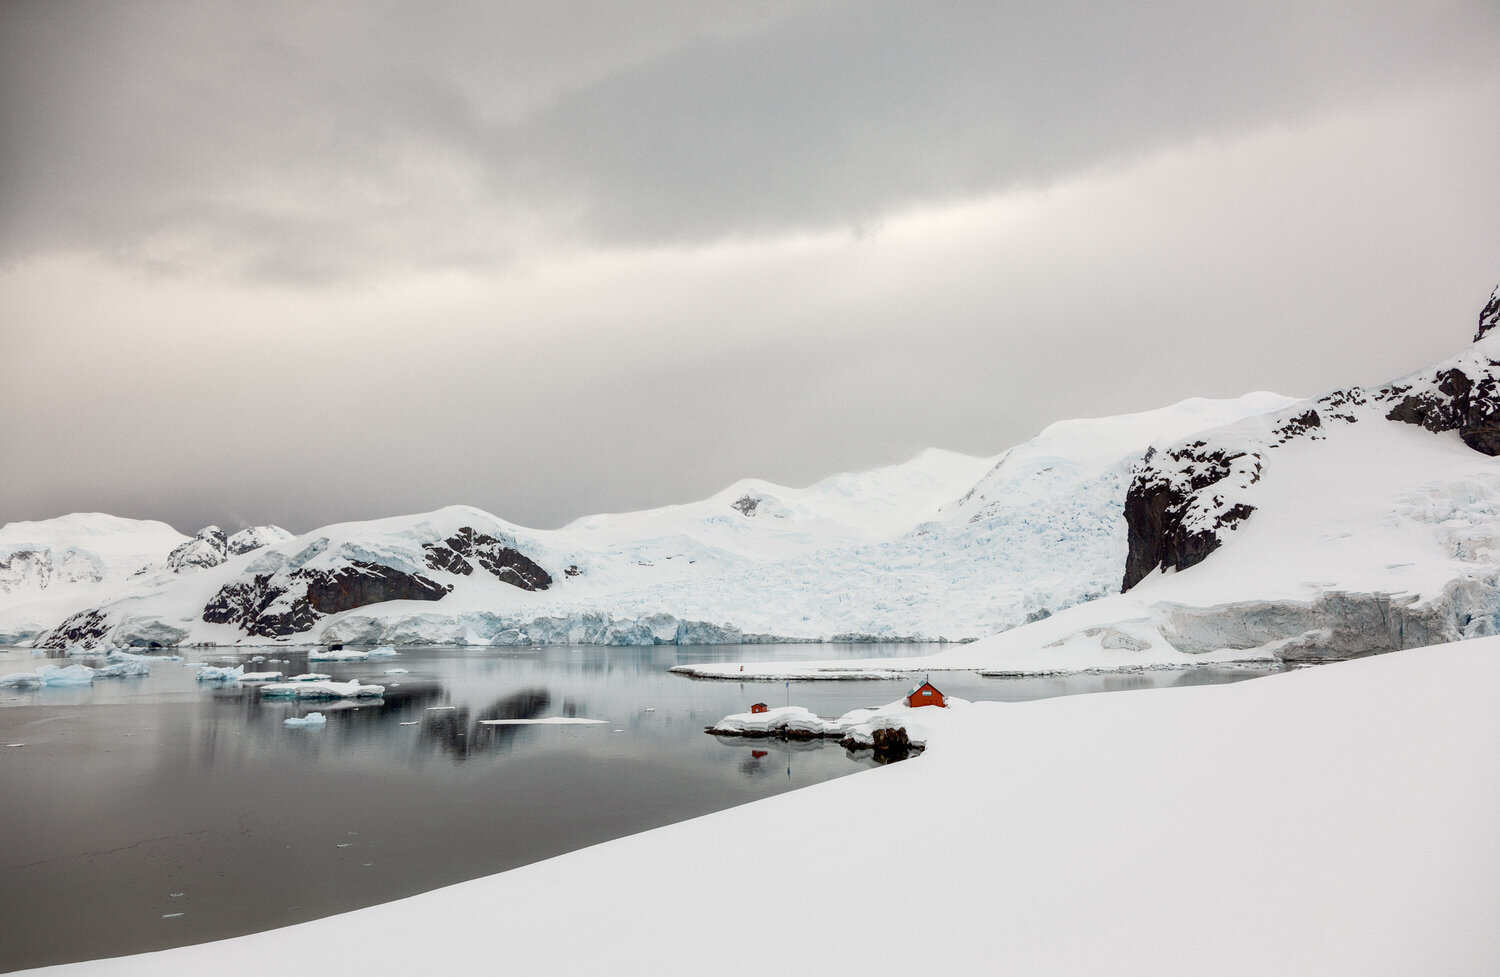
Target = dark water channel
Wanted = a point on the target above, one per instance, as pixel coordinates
(143, 813)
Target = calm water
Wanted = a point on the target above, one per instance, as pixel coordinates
(153, 812)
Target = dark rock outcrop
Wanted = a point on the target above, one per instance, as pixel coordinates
(459, 552)
(1183, 501)
(86, 628)
(1458, 402)
(276, 605)
(746, 504)
(1489, 316)
(1165, 525)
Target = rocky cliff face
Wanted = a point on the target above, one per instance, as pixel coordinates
(1184, 501)
(459, 552)
(274, 605)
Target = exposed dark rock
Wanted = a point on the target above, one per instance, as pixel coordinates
(86, 628)
(276, 605)
(1165, 524)
(506, 564)
(890, 744)
(1296, 426)
(746, 505)
(1489, 317)
(1182, 501)
(1456, 402)
(572, 570)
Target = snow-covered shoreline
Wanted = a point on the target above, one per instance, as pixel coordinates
(1329, 820)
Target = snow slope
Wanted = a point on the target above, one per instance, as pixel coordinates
(1337, 820)
(945, 546)
(1351, 532)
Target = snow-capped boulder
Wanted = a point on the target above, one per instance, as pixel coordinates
(254, 538)
(207, 549)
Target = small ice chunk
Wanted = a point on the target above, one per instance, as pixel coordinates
(312, 719)
(383, 652)
(261, 677)
(20, 680)
(395, 671)
(130, 668)
(214, 673)
(311, 677)
(412, 723)
(324, 655)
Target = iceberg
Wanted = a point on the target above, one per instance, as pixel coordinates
(312, 720)
(213, 673)
(351, 689)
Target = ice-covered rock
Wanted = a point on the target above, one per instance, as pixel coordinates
(254, 538)
(208, 548)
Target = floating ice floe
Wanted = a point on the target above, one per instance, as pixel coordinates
(215, 673)
(395, 671)
(325, 655)
(311, 677)
(548, 721)
(262, 677)
(118, 655)
(312, 719)
(132, 668)
(351, 689)
(49, 676)
(383, 652)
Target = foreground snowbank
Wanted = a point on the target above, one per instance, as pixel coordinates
(1336, 820)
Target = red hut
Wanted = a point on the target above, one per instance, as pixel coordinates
(758, 707)
(925, 694)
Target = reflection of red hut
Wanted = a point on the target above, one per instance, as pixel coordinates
(925, 694)
(758, 707)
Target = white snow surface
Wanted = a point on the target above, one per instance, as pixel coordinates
(943, 547)
(1333, 820)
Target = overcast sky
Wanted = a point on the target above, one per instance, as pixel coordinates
(300, 263)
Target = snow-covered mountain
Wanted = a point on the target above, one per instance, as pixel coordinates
(1364, 521)
(944, 546)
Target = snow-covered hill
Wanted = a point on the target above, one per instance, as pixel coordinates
(1360, 522)
(944, 546)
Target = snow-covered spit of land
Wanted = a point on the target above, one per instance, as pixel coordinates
(943, 547)
(1333, 820)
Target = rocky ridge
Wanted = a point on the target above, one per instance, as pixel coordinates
(1184, 500)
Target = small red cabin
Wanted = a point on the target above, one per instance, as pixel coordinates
(925, 694)
(758, 707)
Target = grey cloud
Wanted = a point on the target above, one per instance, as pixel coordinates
(350, 140)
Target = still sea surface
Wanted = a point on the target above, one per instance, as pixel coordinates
(143, 813)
